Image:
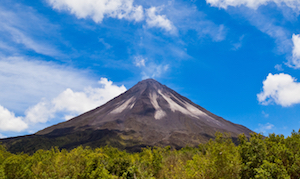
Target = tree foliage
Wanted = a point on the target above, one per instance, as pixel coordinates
(256, 157)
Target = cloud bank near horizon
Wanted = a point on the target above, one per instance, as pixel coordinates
(66, 105)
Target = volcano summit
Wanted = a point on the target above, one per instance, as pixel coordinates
(148, 114)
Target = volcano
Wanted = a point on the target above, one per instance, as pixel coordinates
(148, 114)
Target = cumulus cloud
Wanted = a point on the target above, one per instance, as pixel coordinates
(155, 20)
(72, 103)
(295, 61)
(24, 82)
(75, 101)
(34, 92)
(294, 4)
(281, 89)
(80, 102)
(9, 122)
(68, 103)
(40, 113)
(120, 9)
(97, 10)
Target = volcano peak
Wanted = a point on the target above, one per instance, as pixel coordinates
(149, 83)
(148, 114)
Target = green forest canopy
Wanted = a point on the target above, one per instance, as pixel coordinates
(258, 157)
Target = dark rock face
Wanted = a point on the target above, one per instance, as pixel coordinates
(148, 114)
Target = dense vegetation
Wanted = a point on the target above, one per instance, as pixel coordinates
(258, 157)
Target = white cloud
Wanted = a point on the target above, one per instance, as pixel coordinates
(25, 82)
(68, 104)
(155, 20)
(68, 117)
(295, 61)
(2, 136)
(158, 70)
(72, 103)
(20, 38)
(40, 113)
(80, 102)
(154, 71)
(217, 32)
(265, 127)
(19, 26)
(278, 67)
(139, 61)
(186, 18)
(97, 10)
(64, 91)
(6, 47)
(254, 4)
(281, 89)
(120, 9)
(9, 122)
(266, 25)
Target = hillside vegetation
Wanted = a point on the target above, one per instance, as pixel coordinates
(258, 157)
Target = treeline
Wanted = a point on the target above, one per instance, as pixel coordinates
(258, 157)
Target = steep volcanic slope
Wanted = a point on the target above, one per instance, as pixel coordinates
(148, 114)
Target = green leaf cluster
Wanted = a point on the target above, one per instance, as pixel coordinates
(255, 157)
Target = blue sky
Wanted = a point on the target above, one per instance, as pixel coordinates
(239, 59)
